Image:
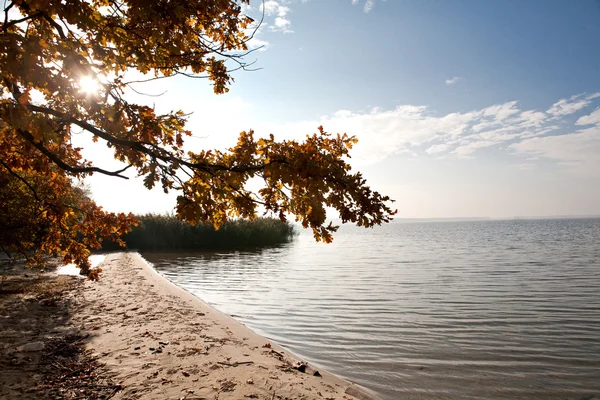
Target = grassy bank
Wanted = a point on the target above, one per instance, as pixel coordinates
(165, 232)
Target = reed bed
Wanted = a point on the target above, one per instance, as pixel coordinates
(157, 232)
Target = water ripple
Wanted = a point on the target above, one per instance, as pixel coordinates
(469, 310)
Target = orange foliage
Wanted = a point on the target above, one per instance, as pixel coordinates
(42, 213)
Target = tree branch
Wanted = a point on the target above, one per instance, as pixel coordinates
(61, 164)
(14, 22)
(19, 177)
(54, 24)
(159, 153)
(6, 10)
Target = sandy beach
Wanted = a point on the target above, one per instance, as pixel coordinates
(151, 339)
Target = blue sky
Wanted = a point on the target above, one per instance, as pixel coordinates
(401, 52)
(462, 108)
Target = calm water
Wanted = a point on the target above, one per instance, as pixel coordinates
(454, 310)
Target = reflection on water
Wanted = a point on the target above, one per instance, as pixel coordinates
(456, 310)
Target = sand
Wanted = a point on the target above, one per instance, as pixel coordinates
(161, 342)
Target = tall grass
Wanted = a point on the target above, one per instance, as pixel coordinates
(165, 232)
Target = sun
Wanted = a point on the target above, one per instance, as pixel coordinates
(89, 85)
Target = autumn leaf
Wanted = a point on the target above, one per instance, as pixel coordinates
(25, 98)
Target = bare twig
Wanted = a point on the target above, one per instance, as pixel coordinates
(146, 94)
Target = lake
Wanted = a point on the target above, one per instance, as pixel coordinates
(448, 310)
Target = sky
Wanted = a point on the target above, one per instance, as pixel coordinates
(462, 108)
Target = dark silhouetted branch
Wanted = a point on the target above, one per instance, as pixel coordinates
(63, 165)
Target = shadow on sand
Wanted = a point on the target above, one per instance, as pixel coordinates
(42, 355)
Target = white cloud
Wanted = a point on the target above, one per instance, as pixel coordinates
(411, 129)
(465, 151)
(500, 134)
(578, 151)
(500, 112)
(591, 119)
(453, 80)
(571, 105)
(498, 124)
(532, 118)
(282, 11)
(566, 107)
(528, 133)
(416, 129)
(382, 133)
(437, 148)
(270, 7)
(281, 23)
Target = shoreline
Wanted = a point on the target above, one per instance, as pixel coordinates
(162, 341)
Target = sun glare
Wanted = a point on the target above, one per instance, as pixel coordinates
(88, 85)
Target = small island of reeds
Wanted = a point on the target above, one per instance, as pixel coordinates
(160, 232)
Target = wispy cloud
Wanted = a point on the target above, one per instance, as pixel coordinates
(453, 80)
(591, 119)
(369, 4)
(417, 130)
(571, 105)
(437, 148)
(577, 151)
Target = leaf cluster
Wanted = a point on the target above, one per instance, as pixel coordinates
(43, 213)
